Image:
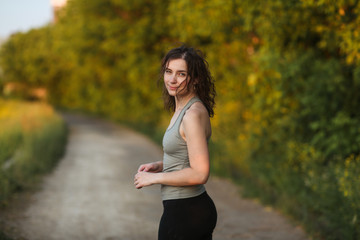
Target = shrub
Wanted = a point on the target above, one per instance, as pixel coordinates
(32, 139)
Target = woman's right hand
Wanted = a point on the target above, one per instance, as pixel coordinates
(153, 167)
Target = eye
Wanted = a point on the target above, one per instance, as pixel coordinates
(181, 74)
(167, 71)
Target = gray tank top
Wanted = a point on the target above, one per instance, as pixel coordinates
(176, 157)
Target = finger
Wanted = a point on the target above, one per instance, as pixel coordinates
(137, 185)
(141, 168)
(146, 169)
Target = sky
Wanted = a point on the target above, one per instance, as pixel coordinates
(22, 15)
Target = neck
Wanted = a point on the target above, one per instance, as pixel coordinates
(180, 102)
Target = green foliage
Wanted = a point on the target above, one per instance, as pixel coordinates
(287, 76)
(32, 139)
(26, 57)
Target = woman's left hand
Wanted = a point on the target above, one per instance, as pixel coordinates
(143, 179)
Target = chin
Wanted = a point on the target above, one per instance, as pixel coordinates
(172, 93)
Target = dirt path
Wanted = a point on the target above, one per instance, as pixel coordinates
(90, 195)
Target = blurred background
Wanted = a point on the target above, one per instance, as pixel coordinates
(287, 123)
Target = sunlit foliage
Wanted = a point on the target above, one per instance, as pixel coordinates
(287, 76)
(32, 139)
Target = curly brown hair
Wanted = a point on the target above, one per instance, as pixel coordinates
(198, 73)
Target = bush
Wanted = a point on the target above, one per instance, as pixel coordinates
(287, 76)
(32, 140)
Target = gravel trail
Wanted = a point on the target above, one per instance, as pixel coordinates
(90, 194)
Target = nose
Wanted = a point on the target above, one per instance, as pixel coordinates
(173, 78)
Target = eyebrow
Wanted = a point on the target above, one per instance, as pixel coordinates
(177, 71)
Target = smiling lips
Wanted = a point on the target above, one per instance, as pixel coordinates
(172, 88)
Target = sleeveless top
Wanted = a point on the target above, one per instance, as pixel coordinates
(176, 157)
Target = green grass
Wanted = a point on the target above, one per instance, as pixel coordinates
(32, 140)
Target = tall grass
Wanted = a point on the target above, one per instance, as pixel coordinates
(32, 139)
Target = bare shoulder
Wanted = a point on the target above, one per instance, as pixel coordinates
(197, 112)
(196, 119)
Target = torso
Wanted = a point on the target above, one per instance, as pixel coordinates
(176, 154)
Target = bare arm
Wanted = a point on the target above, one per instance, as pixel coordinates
(194, 129)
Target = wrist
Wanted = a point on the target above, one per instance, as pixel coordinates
(157, 178)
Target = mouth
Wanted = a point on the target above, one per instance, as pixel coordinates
(172, 88)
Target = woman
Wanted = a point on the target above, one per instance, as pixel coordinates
(189, 213)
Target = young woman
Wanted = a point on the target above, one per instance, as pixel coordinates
(189, 213)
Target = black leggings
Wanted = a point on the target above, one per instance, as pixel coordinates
(188, 219)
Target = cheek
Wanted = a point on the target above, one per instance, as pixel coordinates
(166, 79)
(183, 84)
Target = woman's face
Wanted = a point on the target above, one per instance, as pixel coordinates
(176, 77)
